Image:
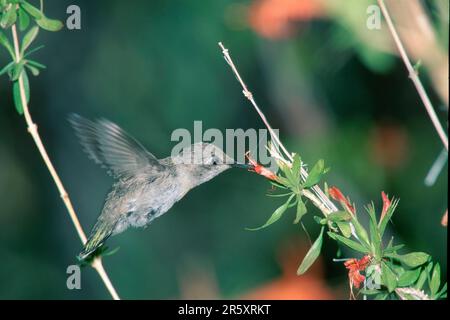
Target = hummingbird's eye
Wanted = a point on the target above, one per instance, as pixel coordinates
(214, 162)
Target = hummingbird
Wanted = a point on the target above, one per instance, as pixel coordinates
(144, 187)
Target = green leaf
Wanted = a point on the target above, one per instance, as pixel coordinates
(8, 18)
(422, 279)
(435, 281)
(7, 68)
(388, 277)
(326, 189)
(382, 296)
(345, 228)
(49, 24)
(369, 292)
(296, 165)
(442, 294)
(35, 64)
(284, 183)
(375, 238)
(28, 39)
(319, 220)
(375, 242)
(408, 277)
(16, 71)
(349, 243)
(292, 180)
(279, 195)
(373, 271)
(389, 245)
(339, 216)
(417, 66)
(5, 42)
(315, 174)
(284, 168)
(301, 209)
(312, 254)
(393, 249)
(26, 85)
(278, 185)
(360, 232)
(31, 10)
(383, 223)
(33, 50)
(16, 92)
(371, 210)
(275, 216)
(34, 71)
(24, 20)
(412, 260)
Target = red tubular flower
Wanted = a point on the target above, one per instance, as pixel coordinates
(337, 195)
(355, 278)
(354, 267)
(259, 169)
(386, 204)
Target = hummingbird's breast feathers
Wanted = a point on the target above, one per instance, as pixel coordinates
(136, 201)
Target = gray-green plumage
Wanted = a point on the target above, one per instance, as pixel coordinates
(144, 187)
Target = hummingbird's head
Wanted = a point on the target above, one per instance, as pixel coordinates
(203, 161)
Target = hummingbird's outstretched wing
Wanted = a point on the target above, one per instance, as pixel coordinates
(111, 147)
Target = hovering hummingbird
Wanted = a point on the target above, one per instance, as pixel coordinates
(144, 187)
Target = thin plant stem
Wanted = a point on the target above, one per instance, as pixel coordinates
(319, 199)
(436, 168)
(32, 129)
(414, 77)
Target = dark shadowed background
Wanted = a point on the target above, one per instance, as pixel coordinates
(335, 89)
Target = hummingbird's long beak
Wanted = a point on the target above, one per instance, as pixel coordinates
(242, 166)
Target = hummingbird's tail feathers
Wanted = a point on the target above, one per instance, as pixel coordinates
(101, 231)
(111, 147)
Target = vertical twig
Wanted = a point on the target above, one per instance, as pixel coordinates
(320, 200)
(414, 77)
(32, 129)
(436, 169)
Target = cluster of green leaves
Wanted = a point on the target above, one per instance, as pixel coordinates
(410, 271)
(390, 270)
(393, 270)
(29, 20)
(289, 180)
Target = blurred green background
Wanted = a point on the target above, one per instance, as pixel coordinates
(335, 89)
